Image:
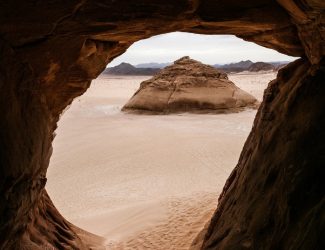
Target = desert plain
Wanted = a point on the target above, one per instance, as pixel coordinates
(144, 181)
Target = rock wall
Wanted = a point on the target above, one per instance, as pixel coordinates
(274, 198)
(51, 50)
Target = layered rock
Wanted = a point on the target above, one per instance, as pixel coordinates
(189, 86)
(50, 52)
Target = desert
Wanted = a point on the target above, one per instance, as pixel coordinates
(144, 181)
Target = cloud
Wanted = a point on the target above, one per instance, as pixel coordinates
(209, 49)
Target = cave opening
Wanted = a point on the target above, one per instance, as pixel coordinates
(50, 52)
(127, 174)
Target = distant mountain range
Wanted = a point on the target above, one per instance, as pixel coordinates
(128, 69)
(234, 67)
(261, 66)
(248, 65)
(153, 65)
(241, 64)
(152, 68)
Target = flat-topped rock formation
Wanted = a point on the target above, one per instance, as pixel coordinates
(189, 86)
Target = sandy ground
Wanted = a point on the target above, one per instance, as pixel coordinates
(144, 182)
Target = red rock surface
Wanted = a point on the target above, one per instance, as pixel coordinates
(50, 52)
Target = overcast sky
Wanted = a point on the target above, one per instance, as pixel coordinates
(210, 49)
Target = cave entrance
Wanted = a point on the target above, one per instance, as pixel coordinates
(125, 174)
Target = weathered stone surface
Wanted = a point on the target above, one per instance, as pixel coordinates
(189, 86)
(279, 203)
(50, 52)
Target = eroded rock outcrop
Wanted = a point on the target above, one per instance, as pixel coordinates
(189, 86)
(50, 52)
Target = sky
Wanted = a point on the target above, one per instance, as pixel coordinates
(209, 49)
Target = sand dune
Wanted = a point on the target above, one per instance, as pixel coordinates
(144, 182)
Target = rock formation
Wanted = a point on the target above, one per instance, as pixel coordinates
(261, 66)
(189, 86)
(128, 69)
(266, 217)
(50, 52)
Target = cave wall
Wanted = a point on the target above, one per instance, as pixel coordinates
(274, 198)
(51, 50)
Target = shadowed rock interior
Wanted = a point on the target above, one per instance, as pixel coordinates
(50, 52)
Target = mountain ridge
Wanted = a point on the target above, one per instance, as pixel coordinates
(153, 67)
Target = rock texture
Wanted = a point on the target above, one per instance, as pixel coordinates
(50, 52)
(277, 204)
(128, 69)
(189, 86)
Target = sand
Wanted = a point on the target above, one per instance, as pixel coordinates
(144, 182)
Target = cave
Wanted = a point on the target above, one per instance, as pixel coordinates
(50, 52)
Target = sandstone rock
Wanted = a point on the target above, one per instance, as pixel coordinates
(266, 217)
(189, 86)
(51, 50)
